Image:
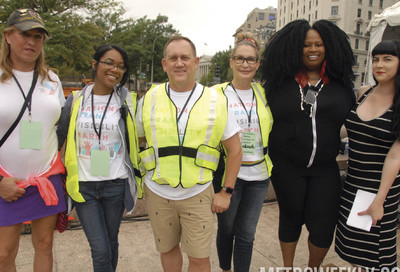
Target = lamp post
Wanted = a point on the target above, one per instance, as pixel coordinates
(152, 59)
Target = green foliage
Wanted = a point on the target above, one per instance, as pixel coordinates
(138, 38)
(78, 27)
(206, 80)
(221, 59)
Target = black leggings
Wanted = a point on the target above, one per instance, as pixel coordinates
(307, 196)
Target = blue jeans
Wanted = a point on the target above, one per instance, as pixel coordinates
(101, 217)
(239, 223)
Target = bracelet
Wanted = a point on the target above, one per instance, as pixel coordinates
(227, 190)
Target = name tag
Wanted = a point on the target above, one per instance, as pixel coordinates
(100, 162)
(249, 142)
(30, 135)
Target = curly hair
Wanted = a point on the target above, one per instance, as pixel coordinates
(283, 55)
(392, 47)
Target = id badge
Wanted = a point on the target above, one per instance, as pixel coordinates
(30, 135)
(100, 162)
(311, 96)
(249, 142)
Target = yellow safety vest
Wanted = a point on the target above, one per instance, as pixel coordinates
(71, 159)
(193, 161)
(264, 116)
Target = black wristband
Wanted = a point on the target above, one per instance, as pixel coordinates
(1, 177)
(227, 189)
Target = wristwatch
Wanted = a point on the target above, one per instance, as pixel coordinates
(1, 177)
(227, 189)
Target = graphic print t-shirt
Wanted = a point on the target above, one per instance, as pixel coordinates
(110, 137)
(248, 171)
(46, 103)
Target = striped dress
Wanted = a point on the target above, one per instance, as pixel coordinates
(369, 143)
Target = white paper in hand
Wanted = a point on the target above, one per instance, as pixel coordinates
(362, 201)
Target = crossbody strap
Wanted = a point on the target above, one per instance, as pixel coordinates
(28, 98)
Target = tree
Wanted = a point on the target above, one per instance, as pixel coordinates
(76, 28)
(138, 38)
(221, 59)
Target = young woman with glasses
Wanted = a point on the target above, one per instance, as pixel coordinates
(237, 225)
(101, 154)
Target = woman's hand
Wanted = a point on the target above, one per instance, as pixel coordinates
(9, 191)
(375, 210)
(221, 202)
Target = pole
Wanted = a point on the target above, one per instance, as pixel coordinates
(152, 59)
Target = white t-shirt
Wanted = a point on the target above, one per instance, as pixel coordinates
(110, 138)
(248, 171)
(47, 100)
(179, 99)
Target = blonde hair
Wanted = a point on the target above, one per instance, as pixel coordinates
(5, 62)
(246, 38)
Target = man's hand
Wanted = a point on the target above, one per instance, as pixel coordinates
(221, 202)
(9, 191)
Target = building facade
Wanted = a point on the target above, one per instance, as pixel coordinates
(260, 22)
(204, 67)
(352, 16)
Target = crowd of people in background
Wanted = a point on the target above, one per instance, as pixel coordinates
(195, 151)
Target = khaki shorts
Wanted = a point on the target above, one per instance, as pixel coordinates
(189, 221)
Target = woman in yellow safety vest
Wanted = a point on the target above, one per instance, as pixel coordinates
(102, 153)
(237, 225)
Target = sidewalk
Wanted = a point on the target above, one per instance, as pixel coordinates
(137, 249)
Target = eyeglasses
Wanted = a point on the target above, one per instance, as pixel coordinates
(110, 65)
(241, 60)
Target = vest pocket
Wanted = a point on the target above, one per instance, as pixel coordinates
(149, 159)
(207, 157)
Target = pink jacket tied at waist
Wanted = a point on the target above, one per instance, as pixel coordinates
(45, 187)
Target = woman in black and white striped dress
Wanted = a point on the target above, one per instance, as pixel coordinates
(373, 128)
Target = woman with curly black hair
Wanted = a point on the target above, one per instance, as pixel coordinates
(307, 74)
(374, 162)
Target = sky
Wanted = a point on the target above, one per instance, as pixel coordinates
(210, 24)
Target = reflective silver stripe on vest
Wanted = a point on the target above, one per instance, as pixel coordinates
(129, 102)
(259, 93)
(147, 159)
(207, 157)
(264, 102)
(212, 112)
(154, 128)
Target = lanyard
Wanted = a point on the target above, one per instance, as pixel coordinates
(98, 133)
(187, 101)
(251, 108)
(28, 99)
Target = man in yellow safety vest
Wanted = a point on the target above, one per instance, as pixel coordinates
(183, 124)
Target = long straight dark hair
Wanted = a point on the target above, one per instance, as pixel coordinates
(392, 47)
